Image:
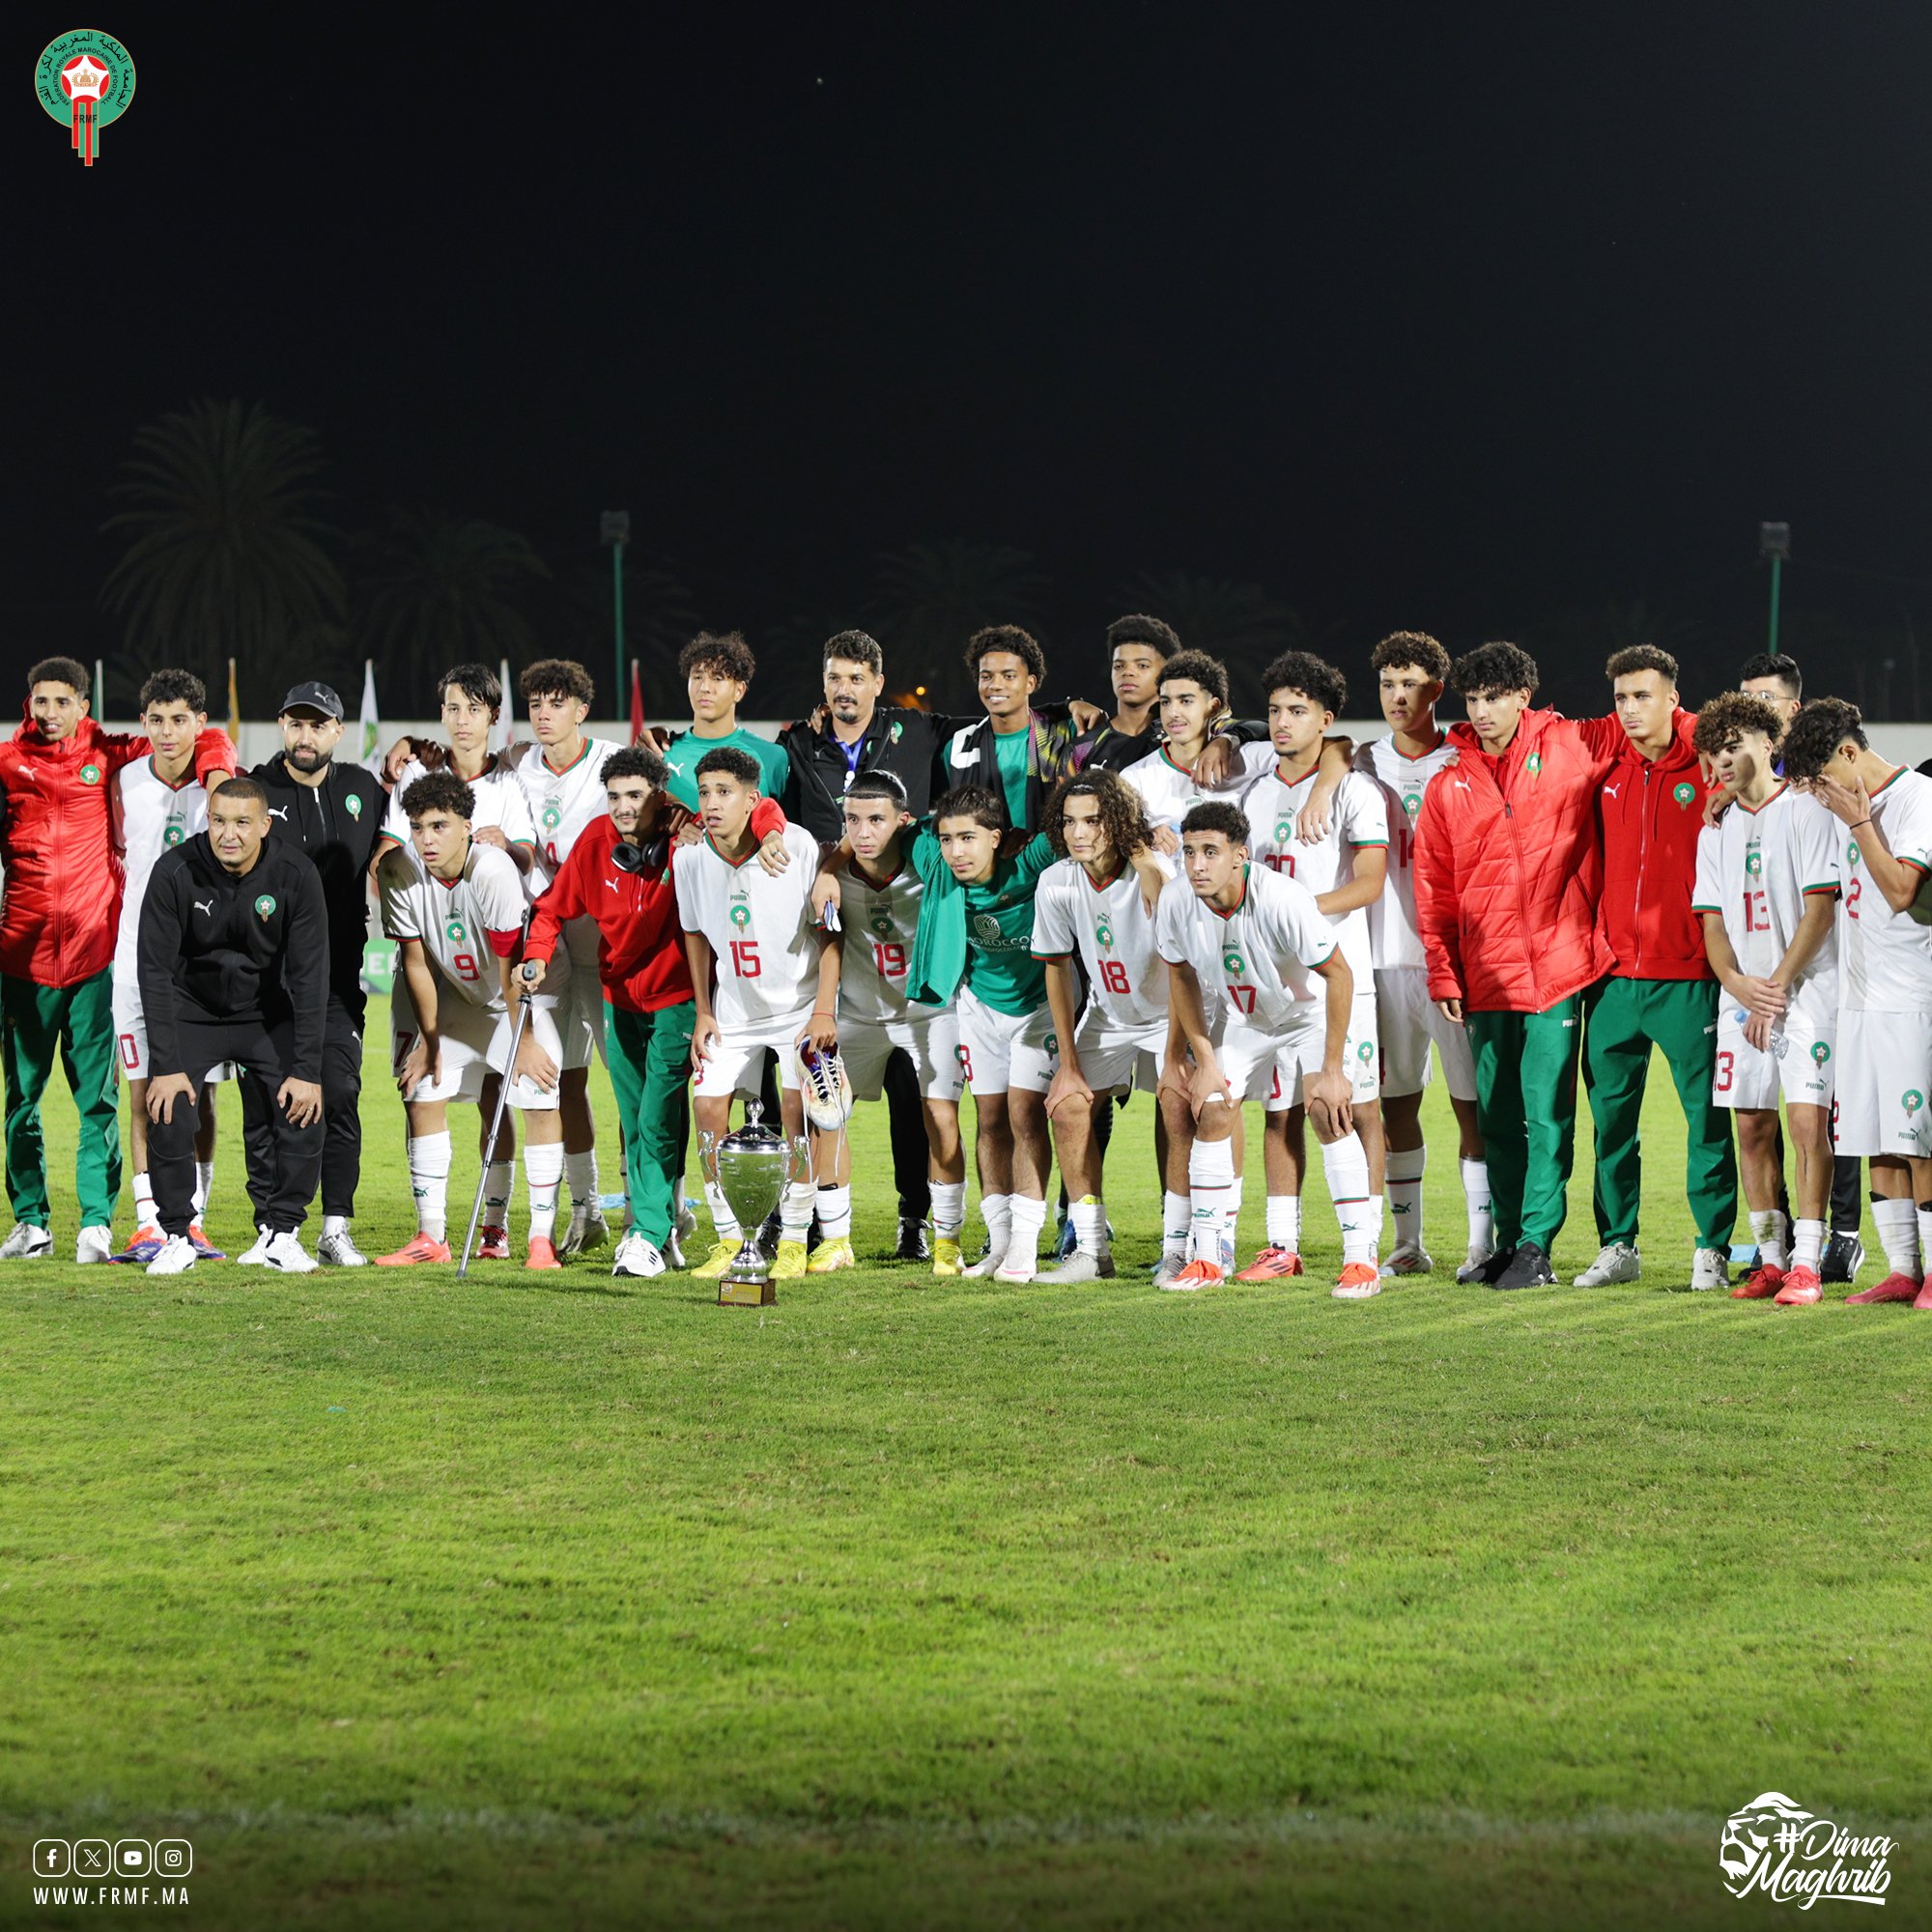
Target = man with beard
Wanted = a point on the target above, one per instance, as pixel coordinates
(334, 813)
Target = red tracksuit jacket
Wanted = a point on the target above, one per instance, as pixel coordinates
(1652, 813)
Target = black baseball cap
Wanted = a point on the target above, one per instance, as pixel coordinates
(313, 697)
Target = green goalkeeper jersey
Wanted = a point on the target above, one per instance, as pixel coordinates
(980, 936)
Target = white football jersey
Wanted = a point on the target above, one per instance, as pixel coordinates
(1393, 939)
(150, 816)
(1884, 957)
(562, 803)
(499, 802)
(1110, 929)
(466, 923)
(1259, 958)
(878, 923)
(1759, 869)
(1171, 791)
(1360, 817)
(759, 925)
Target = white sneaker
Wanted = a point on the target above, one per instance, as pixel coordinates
(177, 1256)
(637, 1258)
(1167, 1269)
(1015, 1267)
(258, 1254)
(95, 1244)
(1080, 1265)
(1475, 1261)
(588, 1229)
(27, 1244)
(1618, 1261)
(984, 1266)
(339, 1251)
(1710, 1268)
(287, 1253)
(1408, 1258)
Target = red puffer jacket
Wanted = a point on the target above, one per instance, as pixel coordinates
(62, 905)
(1652, 812)
(1508, 868)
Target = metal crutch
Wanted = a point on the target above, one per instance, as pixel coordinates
(496, 1127)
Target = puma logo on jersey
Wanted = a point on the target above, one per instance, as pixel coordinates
(1462, 785)
(205, 906)
(1610, 791)
(611, 885)
(280, 811)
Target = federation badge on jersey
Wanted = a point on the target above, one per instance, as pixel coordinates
(264, 905)
(828, 1092)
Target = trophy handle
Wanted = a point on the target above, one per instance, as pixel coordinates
(707, 1156)
(798, 1166)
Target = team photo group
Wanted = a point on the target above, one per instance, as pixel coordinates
(1185, 899)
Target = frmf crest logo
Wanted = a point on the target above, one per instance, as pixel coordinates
(1796, 1857)
(85, 78)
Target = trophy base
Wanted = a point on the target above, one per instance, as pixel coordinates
(758, 1293)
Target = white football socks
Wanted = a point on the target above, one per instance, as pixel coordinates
(1089, 1217)
(204, 1186)
(834, 1213)
(580, 1171)
(498, 1178)
(1345, 1164)
(429, 1183)
(146, 1213)
(724, 1221)
(996, 1211)
(1898, 1231)
(1284, 1223)
(1211, 1186)
(1405, 1166)
(795, 1208)
(542, 1174)
(1177, 1211)
(949, 1208)
(1768, 1231)
(1026, 1217)
(1476, 1198)
(1807, 1245)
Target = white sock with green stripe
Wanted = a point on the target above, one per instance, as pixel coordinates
(1405, 1166)
(1346, 1165)
(429, 1183)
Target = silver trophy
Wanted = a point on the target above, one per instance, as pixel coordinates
(751, 1168)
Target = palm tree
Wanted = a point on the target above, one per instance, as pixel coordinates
(225, 554)
(440, 590)
(1239, 623)
(928, 598)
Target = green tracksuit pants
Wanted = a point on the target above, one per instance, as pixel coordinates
(1527, 1109)
(76, 1022)
(1626, 1018)
(650, 1062)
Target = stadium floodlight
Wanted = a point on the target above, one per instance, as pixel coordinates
(613, 527)
(1773, 546)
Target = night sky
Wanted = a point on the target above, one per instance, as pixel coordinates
(1478, 328)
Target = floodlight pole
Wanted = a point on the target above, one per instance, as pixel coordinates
(614, 529)
(1773, 542)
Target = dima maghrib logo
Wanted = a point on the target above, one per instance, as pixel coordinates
(1796, 1857)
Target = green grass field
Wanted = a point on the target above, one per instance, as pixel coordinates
(545, 1601)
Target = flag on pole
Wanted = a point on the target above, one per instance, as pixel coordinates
(637, 705)
(233, 709)
(506, 721)
(372, 727)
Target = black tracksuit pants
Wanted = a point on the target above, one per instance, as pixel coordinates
(282, 1167)
(341, 1119)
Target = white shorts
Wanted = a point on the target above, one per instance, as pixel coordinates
(475, 1042)
(1000, 1051)
(1361, 1058)
(1257, 1065)
(580, 1002)
(932, 1039)
(1800, 1068)
(1119, 1059)
(738, 1061)
(131, 1033)
(1883, 1081)
(1406, 1020)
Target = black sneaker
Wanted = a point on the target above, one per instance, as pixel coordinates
(771, 1231)
(1492, 1270)
(1844, 1257)
(1528, 1267)
(914, 1244)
